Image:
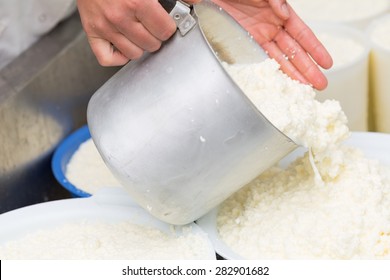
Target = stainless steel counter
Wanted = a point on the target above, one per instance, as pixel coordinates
(43, 97)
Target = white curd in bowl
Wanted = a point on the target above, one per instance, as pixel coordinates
(107, 225)
(286, 214)
(87, 171)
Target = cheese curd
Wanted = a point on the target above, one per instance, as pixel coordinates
(331, 203)
(87, 171)
(103, 240)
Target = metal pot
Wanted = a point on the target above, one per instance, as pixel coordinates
(176, 130)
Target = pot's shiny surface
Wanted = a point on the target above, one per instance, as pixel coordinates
(176, 130)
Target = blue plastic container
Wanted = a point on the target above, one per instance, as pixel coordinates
(63, 154)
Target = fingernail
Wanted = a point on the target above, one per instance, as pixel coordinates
(285, 11)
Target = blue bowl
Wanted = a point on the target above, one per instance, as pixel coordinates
(63, 154)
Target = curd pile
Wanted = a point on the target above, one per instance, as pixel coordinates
(103, 240)
(87, 171)
(331, 203)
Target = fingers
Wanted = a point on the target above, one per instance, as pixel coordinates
(301, 46)
(143, 30)
(286, 66)
(120, 31)
(298, 57)
(309, 42)
(155, 20)
(106, 54)
(298, 51)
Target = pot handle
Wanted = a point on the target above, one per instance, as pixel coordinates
(181, 14)
(168, 5)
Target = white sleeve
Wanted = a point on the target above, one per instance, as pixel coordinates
(23, 22)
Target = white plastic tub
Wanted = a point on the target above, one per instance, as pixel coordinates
(355, 13)
(107, 207)
(349, 77)
(379, 35)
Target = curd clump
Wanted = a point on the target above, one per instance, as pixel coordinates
(293, 109)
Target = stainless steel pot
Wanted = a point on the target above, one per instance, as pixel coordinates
(176, 130)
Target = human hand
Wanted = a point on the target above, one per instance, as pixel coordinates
(121, 30)
(284, 36)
